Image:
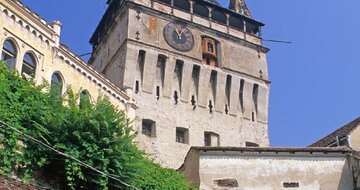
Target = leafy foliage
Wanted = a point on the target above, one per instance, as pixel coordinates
(94, 133)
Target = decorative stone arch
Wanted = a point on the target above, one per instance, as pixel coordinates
(21, 22)
(27, 27)
(13, 17)
(34, 32)
(6, 12)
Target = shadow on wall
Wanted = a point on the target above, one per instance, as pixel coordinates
(355, 164)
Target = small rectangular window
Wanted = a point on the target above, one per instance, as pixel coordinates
(211, 139)
(148, 128)
(207, 139)
(251, 144)
(182, 135)
(291, 185)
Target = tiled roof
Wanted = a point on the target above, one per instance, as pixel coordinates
(240, 7)
(340, 133)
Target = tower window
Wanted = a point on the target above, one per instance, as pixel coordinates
(160, 71)
(193, 102)
(228, 92)
(209, 51)
(141, 62)
(137, 86)
(255, 96)
(176, 97)
(182, 4)
(241, 95)
(253, 116)
(178, 72)
(211, 47)
(207, 61)
(210, 107)
(200, 10)
(195, 78)
(182, 135)
(157, 92)
(213, 83)
(148, 128)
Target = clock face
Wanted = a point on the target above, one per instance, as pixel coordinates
(179, 37)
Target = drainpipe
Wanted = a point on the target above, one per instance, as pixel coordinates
(348, 138)
(337, 141)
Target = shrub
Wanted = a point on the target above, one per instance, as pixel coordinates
(96, 133)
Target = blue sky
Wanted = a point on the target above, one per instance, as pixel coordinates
(315, 79)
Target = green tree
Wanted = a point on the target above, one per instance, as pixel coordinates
(97, 134)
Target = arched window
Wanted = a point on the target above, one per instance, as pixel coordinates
(56, 84)
(200, 10)
(218, 16)
(182, 4)
(29, 66)
(9, 54)
(84, 99)
(236, 22)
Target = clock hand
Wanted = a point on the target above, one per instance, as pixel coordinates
(182, 31)
(178, 33)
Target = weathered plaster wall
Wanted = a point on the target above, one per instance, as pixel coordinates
(258, 172)
(355, 139)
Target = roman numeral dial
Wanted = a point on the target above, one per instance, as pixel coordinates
(179, 37)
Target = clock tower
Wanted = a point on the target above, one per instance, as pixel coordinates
(196, 70)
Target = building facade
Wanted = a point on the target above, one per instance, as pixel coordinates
(197, 72)
(315, 168)
(32, 47)
(186, 73)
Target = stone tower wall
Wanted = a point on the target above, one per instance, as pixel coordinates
(239, 58)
